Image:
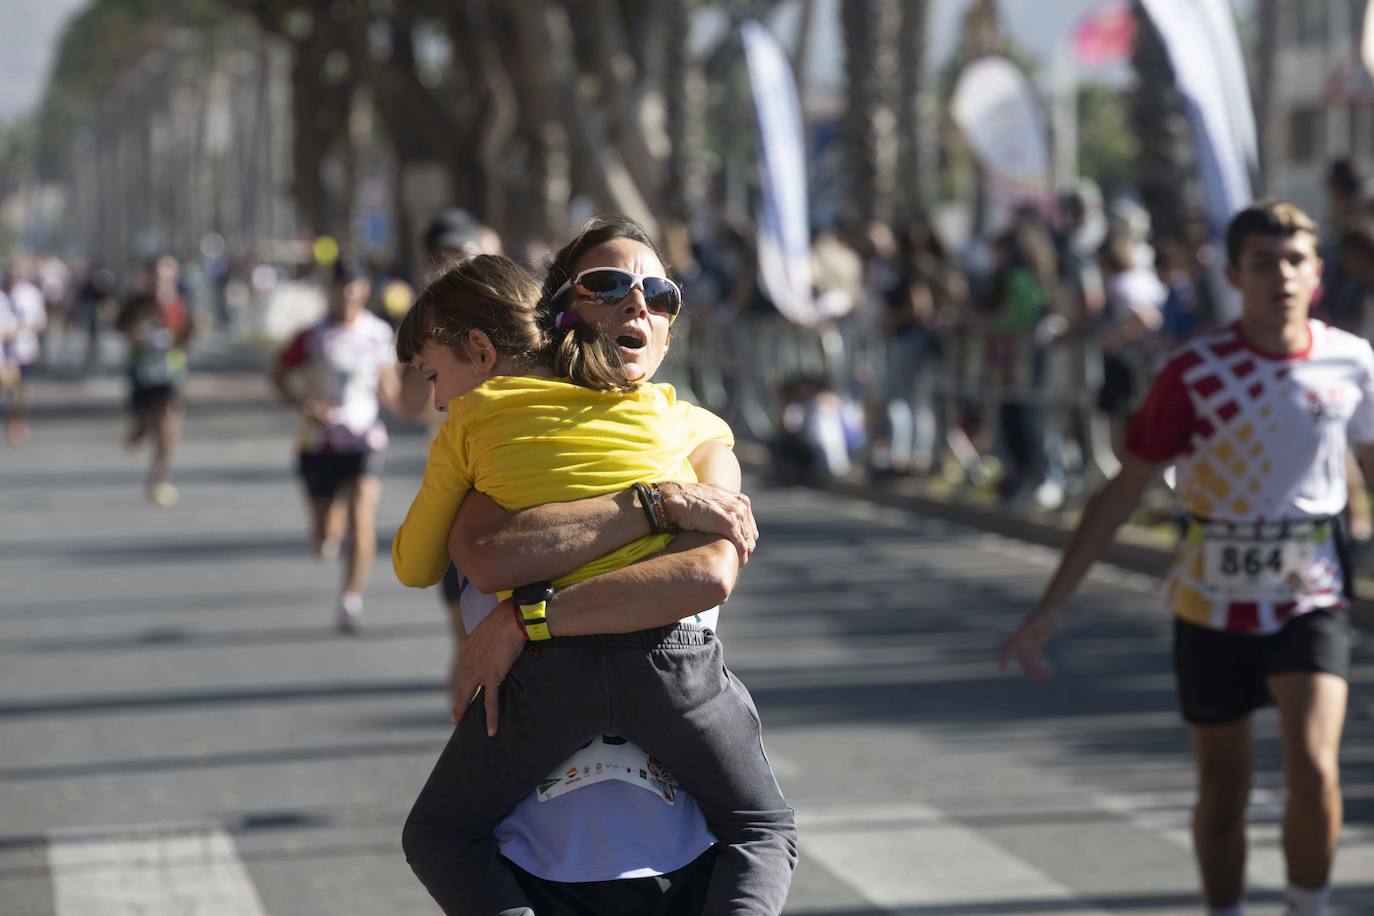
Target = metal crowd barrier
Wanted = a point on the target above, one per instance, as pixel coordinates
(738, 368)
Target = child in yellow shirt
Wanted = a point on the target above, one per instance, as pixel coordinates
(527, 425)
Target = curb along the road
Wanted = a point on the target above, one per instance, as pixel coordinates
(1135, 549)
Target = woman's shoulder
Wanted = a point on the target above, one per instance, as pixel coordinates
(663, 396)
(703, 422)
(662, 391)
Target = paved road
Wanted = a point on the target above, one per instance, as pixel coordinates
(180, 723)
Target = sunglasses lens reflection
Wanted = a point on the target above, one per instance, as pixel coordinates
(611, 285)
(661, 296)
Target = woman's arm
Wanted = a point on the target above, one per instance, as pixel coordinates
(696, 572)
(499, 550)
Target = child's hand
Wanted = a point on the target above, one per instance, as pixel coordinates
(488, 654)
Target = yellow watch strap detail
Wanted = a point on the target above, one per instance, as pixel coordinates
(536, 624)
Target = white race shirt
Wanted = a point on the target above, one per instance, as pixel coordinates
(341, 364)
(30, 312)
(1258, 440)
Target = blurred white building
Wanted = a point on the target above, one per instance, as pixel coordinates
(1323, 100)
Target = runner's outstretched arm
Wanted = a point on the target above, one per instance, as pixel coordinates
(498, 550)
(1105, 512)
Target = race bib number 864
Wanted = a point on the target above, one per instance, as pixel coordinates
(1247, 570)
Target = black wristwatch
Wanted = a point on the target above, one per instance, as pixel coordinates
(532, 602)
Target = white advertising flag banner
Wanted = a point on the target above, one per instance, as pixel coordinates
(1200, 39)
(1367, 38)
(784, 222)
(1000, 116)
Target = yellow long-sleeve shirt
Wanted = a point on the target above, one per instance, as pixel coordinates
(526, 441)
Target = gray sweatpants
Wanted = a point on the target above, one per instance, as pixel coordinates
(667, 690)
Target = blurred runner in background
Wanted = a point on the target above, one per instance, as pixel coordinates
(158, 325)
(337, 372)
(24, 346)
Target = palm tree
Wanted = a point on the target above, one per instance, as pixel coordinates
(915, 110)
(682, 99)
(860, 21)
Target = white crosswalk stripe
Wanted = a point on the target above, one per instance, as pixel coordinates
(903, 856)
(1168, 815)
(150, 871)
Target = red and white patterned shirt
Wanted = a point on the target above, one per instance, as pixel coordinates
(1257, 440)
(340, 364)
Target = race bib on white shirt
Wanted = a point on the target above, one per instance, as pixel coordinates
(1261, 562)
(610, 758)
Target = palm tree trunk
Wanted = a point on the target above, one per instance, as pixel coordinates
(682, 92)
(860, 22)
(598, 172)
(916, 121)
(602, 49)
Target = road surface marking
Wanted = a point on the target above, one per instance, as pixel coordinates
(1169, 815)
(161, 870)
(909, 855)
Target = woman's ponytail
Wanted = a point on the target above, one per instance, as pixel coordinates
(581, 353)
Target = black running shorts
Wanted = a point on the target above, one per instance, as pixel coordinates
(1223, 676)
(147, 398)
(326, 473)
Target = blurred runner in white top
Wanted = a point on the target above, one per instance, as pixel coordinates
(337, 373)
(24, 345)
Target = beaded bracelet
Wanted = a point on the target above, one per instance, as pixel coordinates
(660, 513)
(646, 502)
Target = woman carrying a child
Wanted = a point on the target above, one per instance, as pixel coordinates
(548, 402)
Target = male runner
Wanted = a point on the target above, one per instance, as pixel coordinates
(336, 373)
(1256, 418)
